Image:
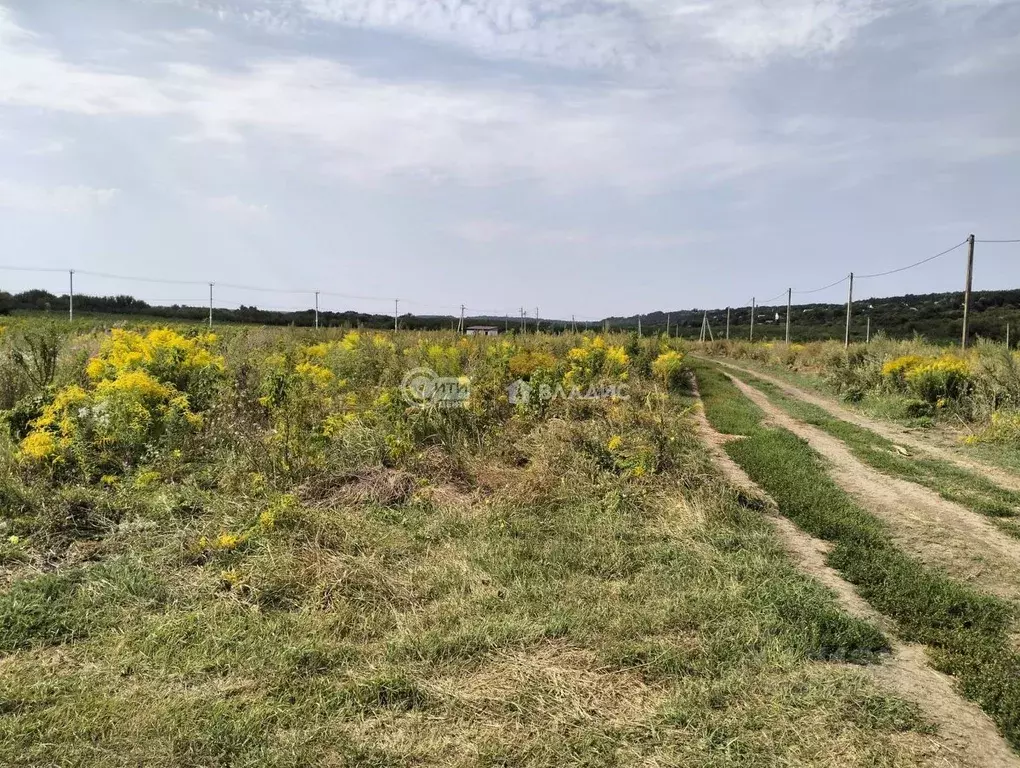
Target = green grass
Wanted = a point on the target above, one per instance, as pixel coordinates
(545, 610)
(967, 631)
(950, 481)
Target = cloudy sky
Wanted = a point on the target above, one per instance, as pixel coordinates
(590, 157)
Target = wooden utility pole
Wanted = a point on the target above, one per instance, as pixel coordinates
(727, 323)
(639, 325)
(966, 290)
(460, 326)
(849, 303)
(752, 317)
(867, 339)
(789, 297)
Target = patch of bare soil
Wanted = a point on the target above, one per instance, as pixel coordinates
(967, 736)
(897, 434)
(377, 485)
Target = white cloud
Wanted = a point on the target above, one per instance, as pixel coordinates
(371, 129)
(232, 205)
(796, 27)
(31, 198)
(49, 148)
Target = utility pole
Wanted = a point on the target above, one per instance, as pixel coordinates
(210, 305)
(460, 327)
(867, 338)
(70, 297)
(316, 310)
(639, 325)
(849, 303)
(506, 322)
(789, 297)
(966, 290)
(667, 326)
(396, 313)
(727, 323)
(573, 324)
(524, 322)
(752, 317)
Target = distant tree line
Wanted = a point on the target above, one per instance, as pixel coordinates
(937, 316)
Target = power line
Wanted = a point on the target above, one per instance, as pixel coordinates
(825, 287)
(138, 279)
(34, 269)
(997, 241)
(915, 264)
(777, 296)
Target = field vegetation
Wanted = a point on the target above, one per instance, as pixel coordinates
(911, 381)
(249, 547)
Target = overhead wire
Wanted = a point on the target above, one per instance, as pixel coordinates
(824, 287)
(911, 266)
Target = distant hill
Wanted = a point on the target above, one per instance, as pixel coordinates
(937, 316)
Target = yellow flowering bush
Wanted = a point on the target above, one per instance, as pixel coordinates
(895, 371)
(524, 363)
(593, 361)
(1003, 427)
(187, 363)
(940, 381)
(133, 403)
(669, 368)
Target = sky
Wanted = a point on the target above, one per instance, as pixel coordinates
(585, 157)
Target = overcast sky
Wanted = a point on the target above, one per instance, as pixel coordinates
(585, 156)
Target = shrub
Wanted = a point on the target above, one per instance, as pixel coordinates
(141, 395)
(895, 371)
(595, 361)
(940, 381)
(670, 369)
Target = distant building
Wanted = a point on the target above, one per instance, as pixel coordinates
(482, 330)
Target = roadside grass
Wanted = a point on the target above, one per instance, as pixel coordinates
(894, 408)
(953, 483)
(967, 632)
(547, 609)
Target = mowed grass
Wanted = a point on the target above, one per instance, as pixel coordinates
(953, 483)
(967, 632)
(531, 605)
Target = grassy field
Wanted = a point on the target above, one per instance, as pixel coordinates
(253, 549)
